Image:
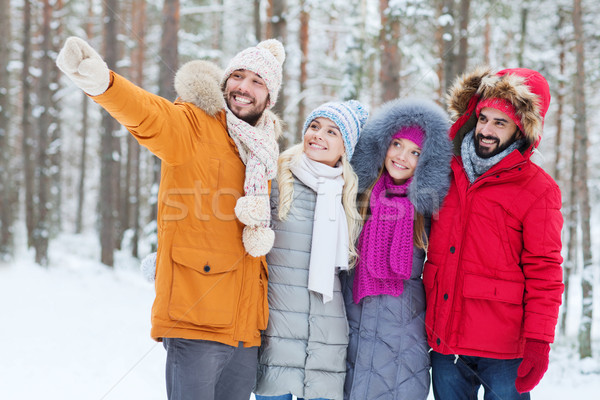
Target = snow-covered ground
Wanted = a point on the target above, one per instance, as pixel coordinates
(79, 330)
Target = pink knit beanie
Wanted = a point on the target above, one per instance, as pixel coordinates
(266, 60)
(501, 105)
(413, 133)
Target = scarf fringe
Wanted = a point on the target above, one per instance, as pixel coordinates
(258, 149)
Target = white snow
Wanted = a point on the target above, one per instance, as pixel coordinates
(80, 330)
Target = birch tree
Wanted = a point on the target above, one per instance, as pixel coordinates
(84, 134)
(46, 132)
(27, 139)
(304, 37)
(138, 58)
(257, 21)
(581, 136)
(277, 29)
(463, 34)
(389, 76)
(109, 143)
(6, 188)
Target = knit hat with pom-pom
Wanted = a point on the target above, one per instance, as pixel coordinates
(266, 60)
(349, 116)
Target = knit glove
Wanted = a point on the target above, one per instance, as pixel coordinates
(533, 366)
(84, 66)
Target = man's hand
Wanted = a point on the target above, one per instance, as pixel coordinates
(533, 366)
(84, 66)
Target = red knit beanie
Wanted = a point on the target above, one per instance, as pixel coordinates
(501, 105)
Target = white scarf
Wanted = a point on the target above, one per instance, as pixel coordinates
(329, 248)
(259, 151)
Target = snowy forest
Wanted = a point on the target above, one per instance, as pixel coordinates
(67, 167)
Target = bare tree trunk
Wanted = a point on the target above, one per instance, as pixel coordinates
(439, 40)
(581, 135)
(28, 141)
(138, 57)
(82, 163)
(84, 131)
(269, 26)
(571, 215)
(168, 67)
(109, 174)
(487, 41)
(124, 195)
(389, 75)
(524, 17)
(55, 139)
(304, 37)
(217, 28)
(257, 21)
(448, 56)
(7, 188)
(277, 26)
(560, 95)
(463, 48)
(42, 227)
(168, 49)
(571, 223)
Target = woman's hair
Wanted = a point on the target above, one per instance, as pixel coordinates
(419, 235)
(285, 180)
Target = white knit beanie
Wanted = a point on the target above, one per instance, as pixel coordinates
(266, 60)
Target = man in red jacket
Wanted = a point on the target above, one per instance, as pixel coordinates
(493, 276)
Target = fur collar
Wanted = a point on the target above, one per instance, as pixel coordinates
(485, 83)
(432, 176)
(198, 82)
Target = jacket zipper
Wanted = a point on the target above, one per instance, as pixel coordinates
(478, 182)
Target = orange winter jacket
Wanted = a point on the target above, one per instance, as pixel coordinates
(207, 286)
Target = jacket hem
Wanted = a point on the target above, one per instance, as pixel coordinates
(159, 333)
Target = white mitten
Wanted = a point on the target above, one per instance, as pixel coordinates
(148, 267)
(84, 66)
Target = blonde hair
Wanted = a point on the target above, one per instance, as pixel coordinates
(419, 234)
(285, 180)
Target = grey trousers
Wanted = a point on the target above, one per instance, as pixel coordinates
(205, 370)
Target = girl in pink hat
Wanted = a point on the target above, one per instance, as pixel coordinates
(402, 161)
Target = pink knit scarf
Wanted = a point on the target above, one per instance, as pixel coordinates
(385, 245)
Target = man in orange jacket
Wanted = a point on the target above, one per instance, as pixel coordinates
(218, 146)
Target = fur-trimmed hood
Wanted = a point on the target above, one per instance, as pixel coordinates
(526, 89)
(199, 82)
(432, 176)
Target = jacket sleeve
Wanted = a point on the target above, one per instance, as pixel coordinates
(541, 261)
(169, 130)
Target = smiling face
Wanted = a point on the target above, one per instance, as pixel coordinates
(495, 131)
(401, 160)
(323, 142)
(246, 95)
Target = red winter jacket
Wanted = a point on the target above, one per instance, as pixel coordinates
(493, 274)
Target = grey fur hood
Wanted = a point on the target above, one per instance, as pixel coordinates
(199, 82)
(432, 176)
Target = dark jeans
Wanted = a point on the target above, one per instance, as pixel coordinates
(461, 380)
(205, 370)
